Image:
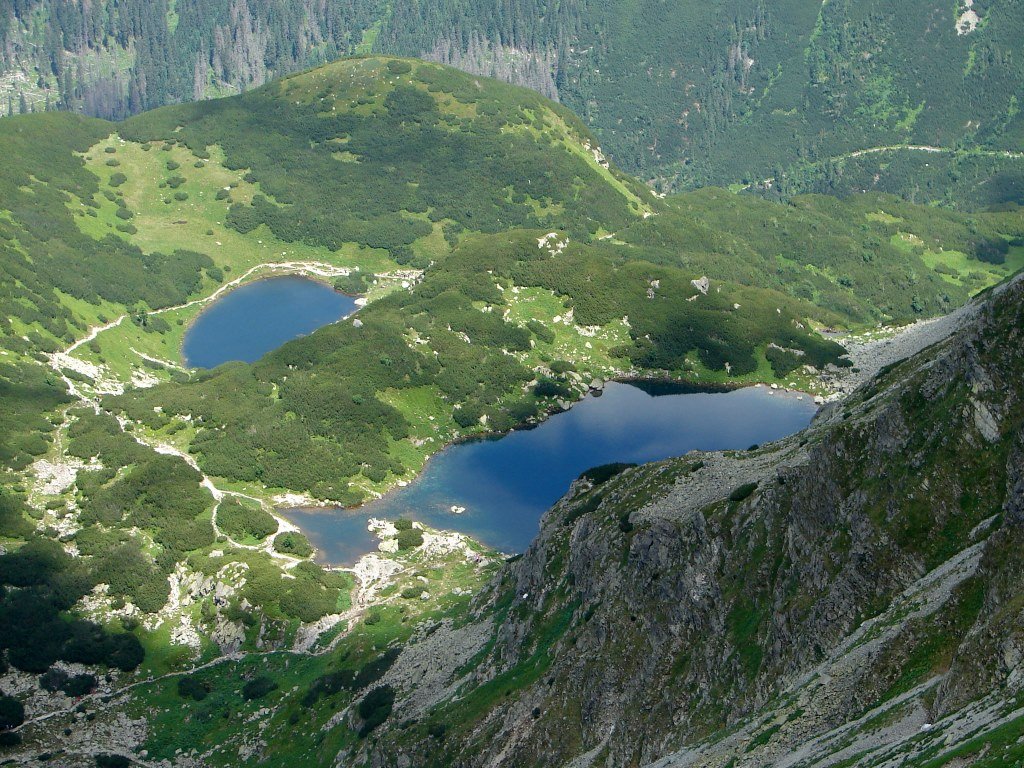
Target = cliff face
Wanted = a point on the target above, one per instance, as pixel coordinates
(861, 602)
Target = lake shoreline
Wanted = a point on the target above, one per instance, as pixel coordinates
(243, 305)
(321, 273)
(687, 386)
(453, 491)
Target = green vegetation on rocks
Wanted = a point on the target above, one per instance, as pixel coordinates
(292, 543)
(244, 520)
(410, 538)
(721, 92)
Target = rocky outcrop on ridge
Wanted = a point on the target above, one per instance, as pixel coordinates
(850, 593)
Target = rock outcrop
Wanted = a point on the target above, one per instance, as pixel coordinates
(851, 592)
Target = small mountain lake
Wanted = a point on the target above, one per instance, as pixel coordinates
(255, 318)
(505, 484)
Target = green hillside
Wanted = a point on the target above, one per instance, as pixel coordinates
(505, 262)
(919, 99)
(693, 93)
(379, 169)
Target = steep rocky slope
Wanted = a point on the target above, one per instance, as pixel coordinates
(110, 59)
(859, 606)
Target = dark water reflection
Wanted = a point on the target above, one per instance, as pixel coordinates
(258, 317)
(505, 484)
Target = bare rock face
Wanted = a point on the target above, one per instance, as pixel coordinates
(754, 606)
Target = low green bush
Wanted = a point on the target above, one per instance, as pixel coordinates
(410, 538)
(79, 685)
(742, 492)
(437, 730)
(258, 687)
(605, 472)
(541, 331)
(375, 708)
(190, 687)
(353, 284)
(328, 685)
(293, 543)
(551, 388)
(244, 521)
(12, 713)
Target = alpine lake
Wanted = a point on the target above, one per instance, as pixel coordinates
(494, 489)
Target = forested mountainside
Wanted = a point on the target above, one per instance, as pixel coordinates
(111, 59)
(848, 596)
(154, 604)
(920, 99)
(691, 93)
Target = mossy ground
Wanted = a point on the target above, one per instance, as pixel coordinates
(164, 223)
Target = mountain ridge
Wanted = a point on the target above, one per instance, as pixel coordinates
(608, 692)
(681, 95)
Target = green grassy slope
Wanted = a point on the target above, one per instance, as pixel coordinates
(364, 150)
(478, 153)
(390, 167)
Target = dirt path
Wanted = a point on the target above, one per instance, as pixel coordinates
(65, 359)
(283, 525)
(1003, 153)
(367, 578)
(317, 268)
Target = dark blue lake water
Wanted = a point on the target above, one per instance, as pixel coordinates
(506, 484)
(258, 317)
